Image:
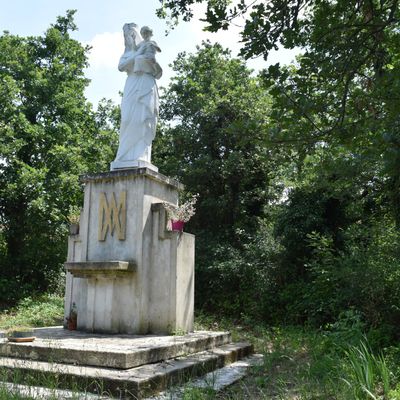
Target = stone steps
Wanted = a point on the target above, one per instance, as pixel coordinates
(56, 344)
(137, 382)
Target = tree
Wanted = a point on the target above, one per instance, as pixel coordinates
(48, 136)
(335, 113)
(343, 91)
(214, 114)
(212, 138)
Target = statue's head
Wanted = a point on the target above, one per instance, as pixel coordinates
(132, 36)
(128, 29)
(146, 32)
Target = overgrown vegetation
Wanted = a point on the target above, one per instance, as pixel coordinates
(342, 361)
(283, 236)
(49, 135)
(46, 310)
(5, 394)
(297, 168)
(339, 362)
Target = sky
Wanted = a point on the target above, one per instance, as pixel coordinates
(100, 26)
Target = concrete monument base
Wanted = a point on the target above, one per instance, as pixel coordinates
(126, 273)
(124, 366)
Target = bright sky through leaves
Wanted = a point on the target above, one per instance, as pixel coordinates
(100, 25)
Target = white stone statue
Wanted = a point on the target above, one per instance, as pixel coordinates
(139, 108)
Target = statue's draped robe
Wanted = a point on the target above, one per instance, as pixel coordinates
(139, 108)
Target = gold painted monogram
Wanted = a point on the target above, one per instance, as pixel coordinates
(112, 217)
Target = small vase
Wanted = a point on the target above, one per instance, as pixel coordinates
(177, 225)
(74, 229)
(71, 324)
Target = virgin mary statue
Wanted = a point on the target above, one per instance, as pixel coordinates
(139, 107)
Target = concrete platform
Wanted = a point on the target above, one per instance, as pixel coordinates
(134, 383)
(59, 345)
(215, 380)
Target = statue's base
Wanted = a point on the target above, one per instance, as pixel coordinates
(126, 272)
(115, 165)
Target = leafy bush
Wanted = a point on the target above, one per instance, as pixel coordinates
(238, 281)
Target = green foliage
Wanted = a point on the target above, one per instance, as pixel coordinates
(48, 136)
(239, 281)
(331, 246)
(309, 211)
(212, 139)
(195, 393)
(347, 330)
(6, 394)
(368, 374)
(338, 265)
(305, 364)
(47, 310)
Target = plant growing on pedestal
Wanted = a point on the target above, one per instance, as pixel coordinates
(179, 214)
(73, 219)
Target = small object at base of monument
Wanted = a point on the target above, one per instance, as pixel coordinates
(177, 225)
(21, 340)
(71, 324)
(22, 335)
(72, 320)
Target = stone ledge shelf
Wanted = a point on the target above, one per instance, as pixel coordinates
(94, 269)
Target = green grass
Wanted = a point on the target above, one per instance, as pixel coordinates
(299, 363)
(369, 375)
(305, 364)
(46, 310)
(6, 395)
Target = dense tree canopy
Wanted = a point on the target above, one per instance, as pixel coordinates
(49, 135)
(334, 114)
(343, 90)
(214, 141)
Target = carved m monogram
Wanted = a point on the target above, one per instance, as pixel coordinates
(112, 217)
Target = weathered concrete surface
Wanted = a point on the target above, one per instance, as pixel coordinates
(42, 393)
(120, 223)
(216, 380)
(86, 269)
(128, 174)
(114, 351)
(138, 382)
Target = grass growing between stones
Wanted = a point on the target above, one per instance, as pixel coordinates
(6, 395)
(16, 384)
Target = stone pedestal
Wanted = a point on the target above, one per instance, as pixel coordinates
(118, 165)
(125, 272)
